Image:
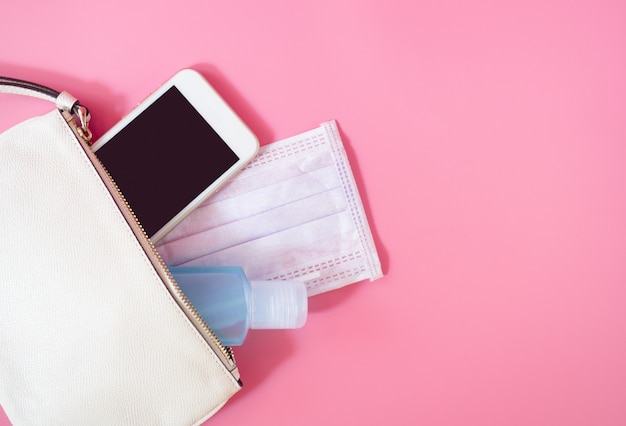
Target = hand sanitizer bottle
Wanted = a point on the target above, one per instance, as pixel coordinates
(231, 305)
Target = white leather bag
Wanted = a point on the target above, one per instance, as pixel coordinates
(93, 328)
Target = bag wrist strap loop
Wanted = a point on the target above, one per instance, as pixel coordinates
(63, 100)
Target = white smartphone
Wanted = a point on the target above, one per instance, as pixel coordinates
(175, 149)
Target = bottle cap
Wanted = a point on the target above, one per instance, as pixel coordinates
(278, 304)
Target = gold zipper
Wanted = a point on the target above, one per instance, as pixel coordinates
(224, 353)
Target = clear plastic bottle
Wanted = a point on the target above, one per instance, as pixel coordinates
(231, 305)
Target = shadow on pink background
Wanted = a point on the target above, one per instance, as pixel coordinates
(487, 140)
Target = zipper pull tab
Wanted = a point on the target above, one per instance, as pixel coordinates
(84, 117)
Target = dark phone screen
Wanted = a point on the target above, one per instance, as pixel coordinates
(165, 158)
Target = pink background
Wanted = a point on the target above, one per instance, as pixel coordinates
(488, 142)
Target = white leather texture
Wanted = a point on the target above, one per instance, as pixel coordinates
(89, 334)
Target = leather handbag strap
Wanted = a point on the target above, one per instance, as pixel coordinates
(63, 100)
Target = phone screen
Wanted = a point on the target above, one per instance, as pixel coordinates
(165, 158)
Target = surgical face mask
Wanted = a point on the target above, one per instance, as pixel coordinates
(293, 213)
